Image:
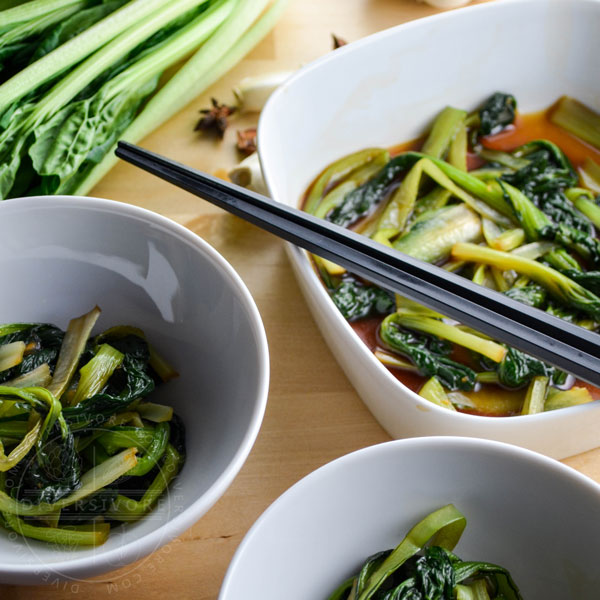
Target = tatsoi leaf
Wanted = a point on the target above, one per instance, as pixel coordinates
(425, 324)
(518, 369)
(55, 471)
(365, 198)
(497, 113)
(66, 140)
(336, 172)
(444, 527)
(356, 300)
(43, 345)
(565, 290)
(532, 295)
(428, 353)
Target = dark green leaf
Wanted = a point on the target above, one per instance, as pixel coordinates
(497, 113)
(356, 300)
(365, 198)
(429, 354)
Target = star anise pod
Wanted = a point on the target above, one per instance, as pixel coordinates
(246, 140)
(215, 118)
(338, 42)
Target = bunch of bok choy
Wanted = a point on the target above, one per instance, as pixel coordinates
(81, 446)
(78, 75)
(523, 222)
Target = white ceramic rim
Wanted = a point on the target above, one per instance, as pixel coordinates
(443, 443)
(178, 524)
(306, 270)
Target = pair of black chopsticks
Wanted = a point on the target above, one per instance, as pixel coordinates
(553, 340)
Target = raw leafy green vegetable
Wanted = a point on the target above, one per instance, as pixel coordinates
(66, 462)
(83, 73)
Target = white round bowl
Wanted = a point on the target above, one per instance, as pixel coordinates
(526, 512)
(63, 255)
(386, 89)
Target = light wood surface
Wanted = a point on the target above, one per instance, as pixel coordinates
(313, 414)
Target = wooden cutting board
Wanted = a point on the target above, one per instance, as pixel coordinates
(313, 414)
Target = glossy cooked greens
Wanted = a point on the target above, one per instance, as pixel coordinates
(80, 445)
(423, 567)
(522, 222)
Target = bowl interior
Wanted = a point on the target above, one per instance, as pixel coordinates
(528, 513)
(62, 256)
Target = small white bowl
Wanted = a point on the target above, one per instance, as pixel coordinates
(525, 512)
(63, 255)
(386, 89)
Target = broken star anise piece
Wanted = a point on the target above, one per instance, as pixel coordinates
(246, 140)
(338, 42)
(215, 118)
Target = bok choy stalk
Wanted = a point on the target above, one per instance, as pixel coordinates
(578, 119)
(565, 290)
(428, 352)
(63, 467)
(223, 50)
(74, 50)
(433, 235)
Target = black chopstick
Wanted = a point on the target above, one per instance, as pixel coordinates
(553, 340)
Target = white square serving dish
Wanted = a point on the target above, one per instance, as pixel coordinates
(385, 89)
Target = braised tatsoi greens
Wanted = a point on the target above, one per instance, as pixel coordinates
(81, 448)
(482, 196)
(423, 567)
